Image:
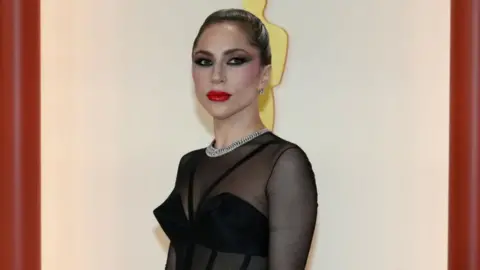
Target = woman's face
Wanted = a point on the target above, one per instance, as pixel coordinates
(227, 70)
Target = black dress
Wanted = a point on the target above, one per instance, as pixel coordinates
(254, 208)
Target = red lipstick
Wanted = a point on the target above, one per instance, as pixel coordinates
(219, 96)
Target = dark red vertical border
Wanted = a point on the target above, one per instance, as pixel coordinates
(20, 135)
(464, 193)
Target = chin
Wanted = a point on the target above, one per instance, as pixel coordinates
(219, 111)
(220, 114)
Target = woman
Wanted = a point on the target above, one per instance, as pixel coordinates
(249, 199)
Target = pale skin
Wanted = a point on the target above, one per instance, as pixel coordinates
(225, 60)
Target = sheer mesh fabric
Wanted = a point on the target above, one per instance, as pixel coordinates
(254, 208)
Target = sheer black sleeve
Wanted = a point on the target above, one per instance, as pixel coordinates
(292, 199)
(171, 256)
(170, 264)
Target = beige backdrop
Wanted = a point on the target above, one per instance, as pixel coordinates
(365, 93)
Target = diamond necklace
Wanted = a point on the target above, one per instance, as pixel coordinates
(211, 151)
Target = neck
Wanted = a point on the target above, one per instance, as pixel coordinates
(236, 127)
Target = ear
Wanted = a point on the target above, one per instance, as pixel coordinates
(265, 77)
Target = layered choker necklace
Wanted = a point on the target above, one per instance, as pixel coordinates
(211, 151)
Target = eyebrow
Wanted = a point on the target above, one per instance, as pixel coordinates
(227, 52)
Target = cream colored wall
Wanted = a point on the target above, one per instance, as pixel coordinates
(365, 93)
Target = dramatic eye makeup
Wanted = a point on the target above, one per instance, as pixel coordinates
(238, 60)
(234, 57)
(202, 61)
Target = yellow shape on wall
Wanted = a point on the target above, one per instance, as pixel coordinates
(279, 47)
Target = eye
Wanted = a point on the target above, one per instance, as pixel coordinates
(203, 62)
(237, 61)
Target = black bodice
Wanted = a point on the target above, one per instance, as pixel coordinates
(253, 208)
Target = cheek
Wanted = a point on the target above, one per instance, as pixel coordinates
(245, 77)
(200, 78)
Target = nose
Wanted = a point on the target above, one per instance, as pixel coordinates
(218, 74)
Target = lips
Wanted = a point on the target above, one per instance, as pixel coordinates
(218, 96)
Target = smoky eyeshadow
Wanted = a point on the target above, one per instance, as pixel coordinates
(236, 58)
(239, 60)
(202, 61)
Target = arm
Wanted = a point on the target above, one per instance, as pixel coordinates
(292, 199)
(170, 264)
(171, 256)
